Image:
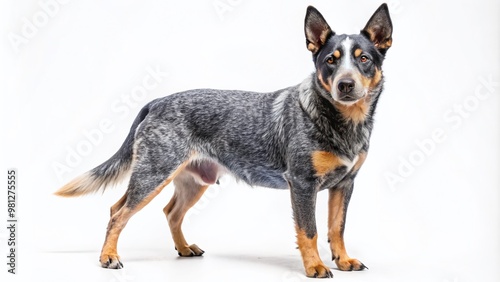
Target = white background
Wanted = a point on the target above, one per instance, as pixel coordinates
(438, 221)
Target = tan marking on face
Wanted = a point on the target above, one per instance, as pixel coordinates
(371, 82)
(325, 84)
(336, 54)
(358, 52)
(312, 47)
(376, 79)
(324, 162)
(356, 112)
(310, 257)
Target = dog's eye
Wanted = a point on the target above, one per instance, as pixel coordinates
(330, 60)
(363, 59)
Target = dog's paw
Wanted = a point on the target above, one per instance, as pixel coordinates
(190, 251)
(319, 271)
(111, 261)
(350, 264)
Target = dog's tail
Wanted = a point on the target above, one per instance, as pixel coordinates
(111, 171)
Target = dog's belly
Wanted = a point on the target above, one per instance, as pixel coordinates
(207, 172)
(267, 178)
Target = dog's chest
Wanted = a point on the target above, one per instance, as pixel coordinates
(348, 141)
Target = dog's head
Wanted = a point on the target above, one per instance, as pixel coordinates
(348, 67)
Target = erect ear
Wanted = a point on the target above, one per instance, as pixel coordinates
(379, 29)
(316, 29)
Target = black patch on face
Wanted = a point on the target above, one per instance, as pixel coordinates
(375, 58)
(325, 53)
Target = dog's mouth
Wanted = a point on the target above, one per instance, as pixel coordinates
(350, 98)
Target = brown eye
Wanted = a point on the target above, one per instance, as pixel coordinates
(363, 59)
(330, 60)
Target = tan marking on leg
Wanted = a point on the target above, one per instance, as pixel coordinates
(336, 232)
(324, 162)
(187, 193)
(109, 255)
(357, 52)
(376, 79)
(336, 54)
(335, 223)
(359, 163)
(118, 205)
(309, 250)
(326, 85)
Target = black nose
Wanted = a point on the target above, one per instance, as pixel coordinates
(346, 85)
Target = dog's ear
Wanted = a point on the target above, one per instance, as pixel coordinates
(379, 29)
(316, 29)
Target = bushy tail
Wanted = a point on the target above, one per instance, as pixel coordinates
(111, 171)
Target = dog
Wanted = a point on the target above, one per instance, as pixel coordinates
(305, 138)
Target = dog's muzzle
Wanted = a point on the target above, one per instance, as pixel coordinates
(346, 90)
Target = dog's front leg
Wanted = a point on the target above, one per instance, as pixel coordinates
(337, 205)
(303, 194)
(338, 201)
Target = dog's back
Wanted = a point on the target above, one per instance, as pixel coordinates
(241, 131)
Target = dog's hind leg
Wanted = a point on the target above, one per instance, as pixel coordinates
(187, 192)
(144, 185)
(118, 205)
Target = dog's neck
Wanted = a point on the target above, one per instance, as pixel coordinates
(334, 120)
